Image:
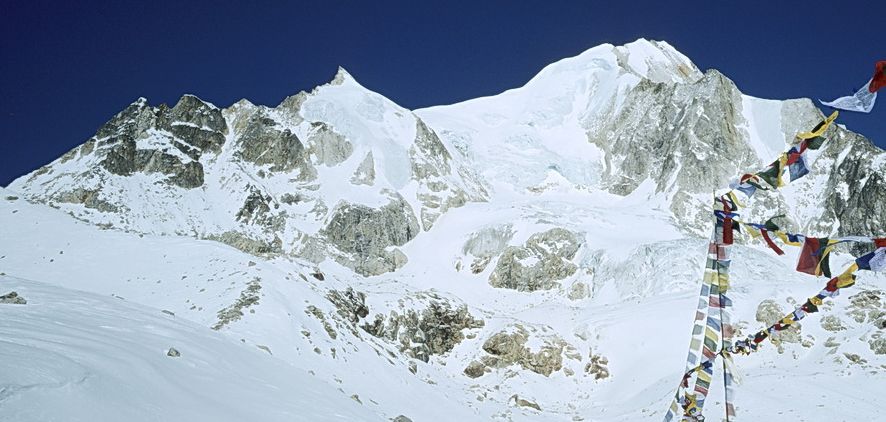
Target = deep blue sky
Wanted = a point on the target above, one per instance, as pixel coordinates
(66, 67)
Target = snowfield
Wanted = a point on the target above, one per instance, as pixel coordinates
(70, 355)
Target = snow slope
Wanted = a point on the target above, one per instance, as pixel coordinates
(69, 355)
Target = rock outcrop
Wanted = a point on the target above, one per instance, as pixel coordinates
(868, 307)
(249, 297)
(161, 140)
(328, 147)
(263, 143)
(434, 327)
(769, 312)
(509, 347)
(432, 168)
(366, 236)
(434, 330)
(539, 264)
(13, 298)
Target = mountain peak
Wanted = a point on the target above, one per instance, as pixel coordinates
(657, 61)
(342, 76)
(191, 100)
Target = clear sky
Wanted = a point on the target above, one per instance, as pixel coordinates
(66, 67)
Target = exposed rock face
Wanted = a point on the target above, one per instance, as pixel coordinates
(13, 298)
(431, 167)
(832, 323)
(365, 173)
(249, 244)
(290, 107)
(187, 175)
(175, 138)
(90, 198)
(769, 312)
(257, 210)
(351, 304)
(598, 367)
(855, 192)
(199, 124)
(509, 347)
(317, 313)
(434, 330)
(878, 343)
(328, 147)
(539, 264)
(364, 235)
(263, 143)
(692, 153)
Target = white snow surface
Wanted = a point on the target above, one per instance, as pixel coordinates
(77, 356)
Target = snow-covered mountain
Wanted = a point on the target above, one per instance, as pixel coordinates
(489, 260)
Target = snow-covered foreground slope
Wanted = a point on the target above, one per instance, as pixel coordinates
(69, 355)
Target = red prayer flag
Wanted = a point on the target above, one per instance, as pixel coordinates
(809, 258)
(879, 79)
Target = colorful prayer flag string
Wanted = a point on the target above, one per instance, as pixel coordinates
(712, 330)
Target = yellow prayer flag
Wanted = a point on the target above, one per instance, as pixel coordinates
(822, 129)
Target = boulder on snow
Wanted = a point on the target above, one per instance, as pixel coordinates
(13, 298)
(173, 353)
(475, 369)
(515, 400)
